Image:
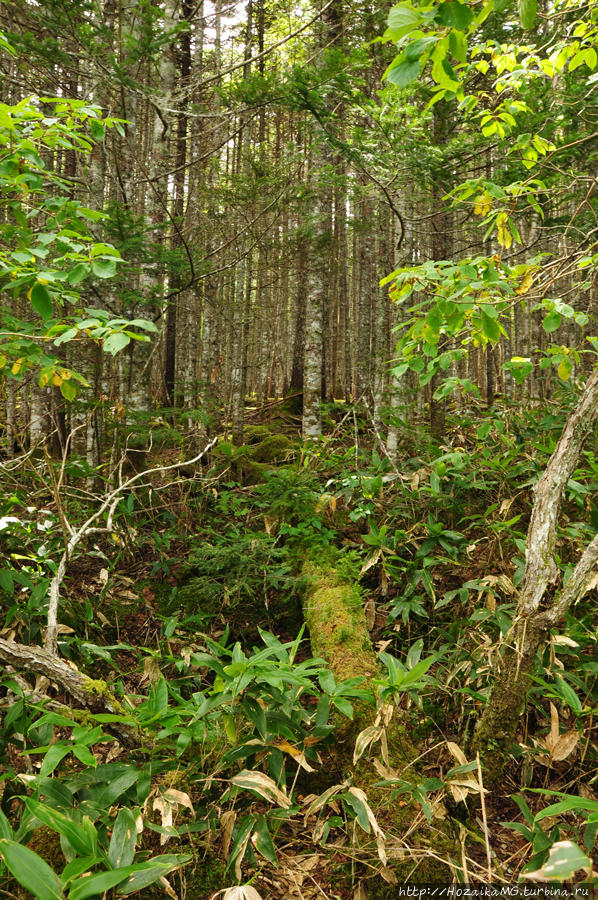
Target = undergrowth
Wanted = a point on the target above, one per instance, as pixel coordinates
(191, 613)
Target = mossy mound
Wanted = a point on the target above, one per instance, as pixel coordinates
(253, 434)
(251, 462)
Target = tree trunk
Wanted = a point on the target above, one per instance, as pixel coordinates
(536, 613)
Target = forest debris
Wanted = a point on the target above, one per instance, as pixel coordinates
(151, 671)
(241, 892)
(296, 754)
(389, 875)
(365, 738)
(227, 820)
(317, 803)
(563, 640)
(92, 695)
(262, 785)
(168, 888)
(162, 805)
(457, 753)
(180, 798)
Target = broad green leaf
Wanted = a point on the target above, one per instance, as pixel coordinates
(241, 839)
(264, 843)
(31, 871)
(490, 327)
(83, 753)
(567, 805)
(116, 787)
(564, 859)
(81, 835)
(401, 20)
(55, 754)
(104, 268)
(6, 581)
(115, 342)
(154, 869)
(76, 275)
(403, 73)
(344, 706)
(122, 843)
(551, 322)
(77, 867)
(359, 809)
(97, 129)
(68, 389)
(568, 694)
(454, 15)
(41, 300)
(96, 885)
(5, 829)
(527, 13)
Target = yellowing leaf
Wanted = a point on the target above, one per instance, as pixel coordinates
(504, 237)
(297, 755)
(482, 204)
(525, 285)
(565, 746)
(323, 799)
(457, 753)
(368, 736)
(180, 797)
(165, 809)
(227, 820)
(565, 368)
(241, 892)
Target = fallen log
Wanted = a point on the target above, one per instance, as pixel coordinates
(89, 693)
(421, 852)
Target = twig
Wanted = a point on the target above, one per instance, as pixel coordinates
(109, 504)
(484, 818)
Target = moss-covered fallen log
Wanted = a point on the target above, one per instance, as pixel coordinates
(337, 625)
(417, 850)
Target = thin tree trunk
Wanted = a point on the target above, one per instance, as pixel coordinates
(537, 612)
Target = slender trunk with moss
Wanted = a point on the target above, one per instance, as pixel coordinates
(536, 612)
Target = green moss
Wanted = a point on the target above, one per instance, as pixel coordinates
(99, 688)
(273, 448)
(252, 434)
(338, 629)
(208, 877)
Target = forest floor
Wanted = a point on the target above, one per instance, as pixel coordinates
(248, 769)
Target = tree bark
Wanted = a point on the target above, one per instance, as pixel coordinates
(93, 695)
(536, 614)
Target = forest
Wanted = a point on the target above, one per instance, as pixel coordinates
(298, 460)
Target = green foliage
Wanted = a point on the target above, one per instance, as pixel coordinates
(48, 250)
(233, 568)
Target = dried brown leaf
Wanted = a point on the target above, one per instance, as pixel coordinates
(389, 875)
(365, 738)
(180, 797)
(262, 785)
(565, 745)
(455, 749)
